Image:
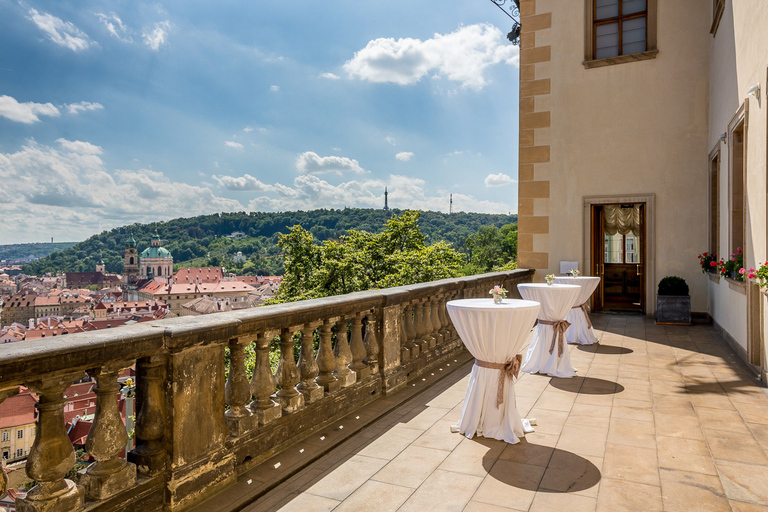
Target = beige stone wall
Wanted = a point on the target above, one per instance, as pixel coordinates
(738, 60)
(624, 129)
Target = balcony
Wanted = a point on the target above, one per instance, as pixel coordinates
(203, 419)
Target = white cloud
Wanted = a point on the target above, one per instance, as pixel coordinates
(234, 145)
(391, 140)
(247, 129)
(156, 37)
(461, 56)
(50, 191)
(310, 162)
(61, 32)
(498, 180)
(76, 108)
(115, 26)
(404, 156)
(26, 112)
(274, 88)
(309, 191)
(330, 76)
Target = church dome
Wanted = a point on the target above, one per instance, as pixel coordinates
(155, 252)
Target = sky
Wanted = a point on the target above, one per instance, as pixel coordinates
(119, 112)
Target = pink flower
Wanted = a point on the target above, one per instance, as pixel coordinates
(742, 271)
(712, 263)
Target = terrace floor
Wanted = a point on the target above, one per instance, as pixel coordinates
(662, 418)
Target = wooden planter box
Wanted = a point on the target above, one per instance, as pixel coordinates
(673, 309)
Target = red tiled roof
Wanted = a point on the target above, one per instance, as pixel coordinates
(201, 274)
(18, 410)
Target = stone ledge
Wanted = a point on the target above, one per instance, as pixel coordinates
(739, 286)
(621, 59)
(713, 277)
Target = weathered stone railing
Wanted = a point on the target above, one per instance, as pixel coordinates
(195, 432)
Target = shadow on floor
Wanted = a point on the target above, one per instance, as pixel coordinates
(586, 385)
(599, 348)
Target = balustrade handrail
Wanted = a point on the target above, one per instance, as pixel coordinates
(90, 349)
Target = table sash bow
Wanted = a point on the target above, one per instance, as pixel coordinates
(508, 370)
(559, 327)
(585, 308)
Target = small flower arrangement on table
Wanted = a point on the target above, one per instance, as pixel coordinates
(575, 272)
(708, 262)
(550, 279)
(498, 292)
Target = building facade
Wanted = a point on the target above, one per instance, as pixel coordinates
(156, 261)
(640, 148)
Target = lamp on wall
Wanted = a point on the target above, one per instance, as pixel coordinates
(514, 15)
(755, 91)
(723, 138)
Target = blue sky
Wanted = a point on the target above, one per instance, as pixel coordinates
(119, 112)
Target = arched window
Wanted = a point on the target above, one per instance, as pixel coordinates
(159, 271)
(130, 261)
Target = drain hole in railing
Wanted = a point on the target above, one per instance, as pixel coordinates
(247, 459)
(373, 392)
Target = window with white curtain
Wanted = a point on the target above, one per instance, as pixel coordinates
(620, 27)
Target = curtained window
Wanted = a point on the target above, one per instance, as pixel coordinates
(619, 27)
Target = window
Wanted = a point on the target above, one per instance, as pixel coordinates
(19, 434)
(737, 187)
(131, 261)
(619, 27)
(619, 31)
(714, 203)
(20, 452)
(718, 6)
(6, 436)
(6, 454)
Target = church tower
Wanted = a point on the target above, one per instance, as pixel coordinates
(100, 267)
(130, 262)
(156, 261)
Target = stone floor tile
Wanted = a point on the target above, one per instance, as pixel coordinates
(439, 436)
(529, 452)
(631, 432)
(548, 421)
(744, 482)
(589, 415)
(685, 454)
(751, 414)
(510, 484)
(740, 506)
(709, 400)
(424, 418)
(444, 491)
(760, 431)
(583, 440)
(673, 425)
(375, 496)
(412, 466)
(555, 401)
(309, 503)
(695, 492)
(570, 473)
(476, 506)
(345, 479)
(735, 447)
(678, 405)
(631, 463)
(604, 400)
(475, 456)
(547, 502)
(622, 496)
(720, 419)
(391, 442)
(632, 413)
(665, 387)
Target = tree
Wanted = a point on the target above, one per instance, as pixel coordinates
(360, 260)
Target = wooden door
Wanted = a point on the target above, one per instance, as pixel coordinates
(598, 255)
(641, 252)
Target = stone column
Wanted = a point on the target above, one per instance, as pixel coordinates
(287, 375)
(263, 384)
(326, 362)
(428, 338)
(237, 391)
(371, 342)
(436, 325)
(149, 454)
(308, 369)
(410, 329)
(109, 474)
(405, 353)
(343, 355)
(421, 328)
(444, 321)
(357, 347)
(52, 455)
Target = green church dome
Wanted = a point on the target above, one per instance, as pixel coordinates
(155, 252)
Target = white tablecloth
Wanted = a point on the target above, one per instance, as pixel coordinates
(580, 331)
(556, 302)
(494, 333)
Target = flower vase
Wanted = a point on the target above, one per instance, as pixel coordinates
(550, 282)
(497, 299)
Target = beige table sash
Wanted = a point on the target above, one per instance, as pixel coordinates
(560, 326)
(508, 370)
(585, 308)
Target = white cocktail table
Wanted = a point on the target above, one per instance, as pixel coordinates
(547, 352)
(581, 330)
(494, 334)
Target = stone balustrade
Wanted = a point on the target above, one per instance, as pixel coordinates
(201, 418)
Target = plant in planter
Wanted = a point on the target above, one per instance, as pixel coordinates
(673, 304)
(708, 262)
(732, 268)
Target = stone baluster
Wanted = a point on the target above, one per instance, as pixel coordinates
(431, 340)
(410, 329)
(149, 454)
(107, 438)
(442, 311)
(308, 369)
(436, 324)
(263, 384)
(52, 455)
(326, 362)
(371, 343)
(343, 355)
(237, 391)
(421, 329)
(287, 376)
(405, 353)
(362, 370)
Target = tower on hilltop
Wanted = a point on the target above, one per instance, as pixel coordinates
(386, 203)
